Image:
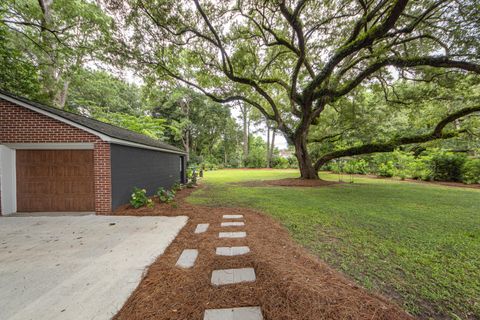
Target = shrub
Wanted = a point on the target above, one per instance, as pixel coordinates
(255, 160)
(292, 162)
(471, 171)
(447, 166)
(356, 166)
(139, 198)
(166, 196)
(280, 163)
(386, 169)
(208, 166)
(177, 186)
(419, 169)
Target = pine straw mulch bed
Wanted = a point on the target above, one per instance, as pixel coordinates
(291, 283)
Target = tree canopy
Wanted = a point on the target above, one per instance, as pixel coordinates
(335, 78)
(293, 60)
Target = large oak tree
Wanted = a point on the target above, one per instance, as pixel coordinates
(294, 59)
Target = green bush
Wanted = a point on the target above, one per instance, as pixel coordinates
(280, 163)
(386, 169)
(255, 160)
(166, 196)
(208, 166)
(292, 162)
(419, 169)
(471, 171)
(177, 186)
(139, 198)
(447, 166)
(356, 166)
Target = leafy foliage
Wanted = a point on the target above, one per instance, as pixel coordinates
(471, 171)
(166, 196)
(139, 198)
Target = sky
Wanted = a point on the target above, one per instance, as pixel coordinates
(280, 141)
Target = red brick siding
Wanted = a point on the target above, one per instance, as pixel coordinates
(103, 179)
(22, 125)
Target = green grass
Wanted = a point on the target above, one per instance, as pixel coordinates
(417, 243)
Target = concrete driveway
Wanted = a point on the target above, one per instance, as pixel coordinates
(76, 267)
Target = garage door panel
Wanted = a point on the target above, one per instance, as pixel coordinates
(55, 180)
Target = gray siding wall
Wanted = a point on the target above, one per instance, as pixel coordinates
(142, 168)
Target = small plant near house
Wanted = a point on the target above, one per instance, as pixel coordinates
(191, 184)
(166, 196)
(177, 186)
(140, 199)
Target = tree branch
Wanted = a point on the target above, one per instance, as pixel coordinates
(391, 145)
(363, 40)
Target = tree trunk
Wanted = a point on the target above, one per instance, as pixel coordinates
(62, 97)
(245, 133)
(186, 145)
(272, 146)
(268, 145)
(48, 60)
(307, 170)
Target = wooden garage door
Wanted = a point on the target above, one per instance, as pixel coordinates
(55, 180)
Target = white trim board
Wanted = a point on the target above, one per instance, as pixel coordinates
(51, 146)
(8, 180)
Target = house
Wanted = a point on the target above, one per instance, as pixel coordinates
(56, 161)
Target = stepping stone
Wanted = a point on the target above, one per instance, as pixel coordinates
(233, 216)
(244, 313)
(187, 258)
(233, 224)
(232, 251)
(201, 228)
(231, 276)
(240, 234)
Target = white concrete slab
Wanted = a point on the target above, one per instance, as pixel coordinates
(243, 313)
(240, 234)
(81, 267)
(187, 258)
(232, 251)
(231, 276)
(202, 227)
(232, 224)
(233, 216)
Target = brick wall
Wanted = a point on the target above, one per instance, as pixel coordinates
(22, 125)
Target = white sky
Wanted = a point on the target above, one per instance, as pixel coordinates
(280, 141)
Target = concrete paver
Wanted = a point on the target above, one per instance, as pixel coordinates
(202, 227)
(232, 251)
(243, 313)
(233, 216)
(231, 276)
(240, 234)
(187, 258)
(232, 224)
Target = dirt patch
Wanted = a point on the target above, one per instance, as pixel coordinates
(289, 182)
(295, 182)
(448, 184)
(291, 283)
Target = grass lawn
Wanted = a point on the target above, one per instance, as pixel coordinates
(417, 243)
